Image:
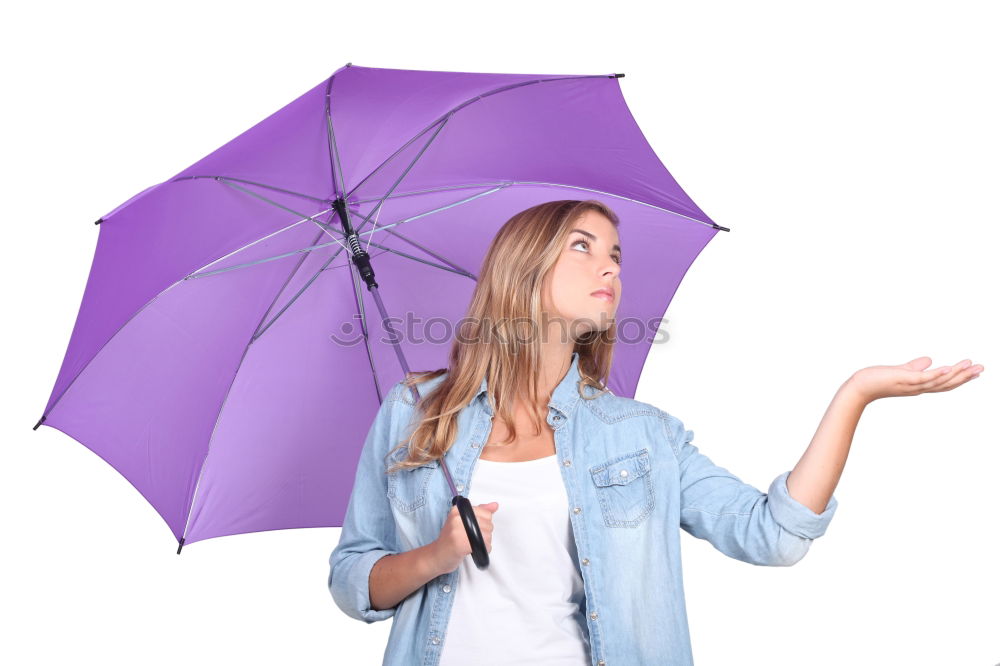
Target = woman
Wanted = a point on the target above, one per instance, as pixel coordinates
(579, 493)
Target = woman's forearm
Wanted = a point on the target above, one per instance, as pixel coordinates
(814, 478)
(818, 471)
(395, 577)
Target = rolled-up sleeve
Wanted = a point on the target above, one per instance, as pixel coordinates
(794, 516)
(369, 530)
(768, 529)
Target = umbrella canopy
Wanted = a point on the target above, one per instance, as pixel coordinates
(218, 360)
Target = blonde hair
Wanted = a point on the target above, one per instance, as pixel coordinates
(521, 254)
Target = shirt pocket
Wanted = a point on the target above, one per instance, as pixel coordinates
(407, 488)
(624, 487)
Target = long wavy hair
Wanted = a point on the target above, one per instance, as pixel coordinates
(489, 343)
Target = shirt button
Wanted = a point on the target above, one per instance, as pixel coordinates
(446, 588)
(475, 445)
(435, 640)
(577, 509)
(593, 616)
(586, 561)
(566, 463)
(623, 473)
(600, 663)
(460, 487)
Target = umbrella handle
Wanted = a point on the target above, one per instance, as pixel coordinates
(479, 554)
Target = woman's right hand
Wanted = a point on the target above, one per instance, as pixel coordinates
(452, 544)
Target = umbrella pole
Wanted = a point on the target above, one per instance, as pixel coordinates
(362, 261)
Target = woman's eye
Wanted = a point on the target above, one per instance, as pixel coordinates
(616, 257)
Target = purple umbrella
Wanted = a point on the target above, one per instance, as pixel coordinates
(226, 359)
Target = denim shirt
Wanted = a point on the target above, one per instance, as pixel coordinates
(633, 478)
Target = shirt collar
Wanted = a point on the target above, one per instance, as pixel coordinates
(565, 395)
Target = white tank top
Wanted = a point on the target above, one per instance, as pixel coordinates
(526, 607)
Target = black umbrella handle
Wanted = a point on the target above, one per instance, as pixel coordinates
(479, 554)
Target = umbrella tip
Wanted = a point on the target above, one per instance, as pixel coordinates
(619, 76)
(99, 221)
(39, 423)
(347, 65)
(180, 544)
(720, 228)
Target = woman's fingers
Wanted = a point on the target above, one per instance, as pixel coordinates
(947, 378)
(960, 376)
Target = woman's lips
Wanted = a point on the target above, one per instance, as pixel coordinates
(604, 295)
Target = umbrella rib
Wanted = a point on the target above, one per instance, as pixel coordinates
(283, 287)
(251, 182)
(433, 189)
(196, 273)
(260, 331)
(261, 261)
(282, 207)
(331, 148)
(218, 417)
(385, 227)
(617, 196)
(331, 142)
(407, 170)
(455, 269)
(458, 269)
(378, 212)
(447, 114)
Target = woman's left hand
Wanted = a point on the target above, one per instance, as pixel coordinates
(889, 381)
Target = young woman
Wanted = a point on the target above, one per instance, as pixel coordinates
(579, 493)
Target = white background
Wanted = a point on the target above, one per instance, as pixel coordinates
(851, 147)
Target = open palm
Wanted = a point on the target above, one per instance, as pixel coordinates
(913, 378)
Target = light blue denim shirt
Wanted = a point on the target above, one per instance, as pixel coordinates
(633, 478)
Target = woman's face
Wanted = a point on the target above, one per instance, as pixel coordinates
(589, 261)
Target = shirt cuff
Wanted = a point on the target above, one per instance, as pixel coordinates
(362, 569)
(794, 516)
